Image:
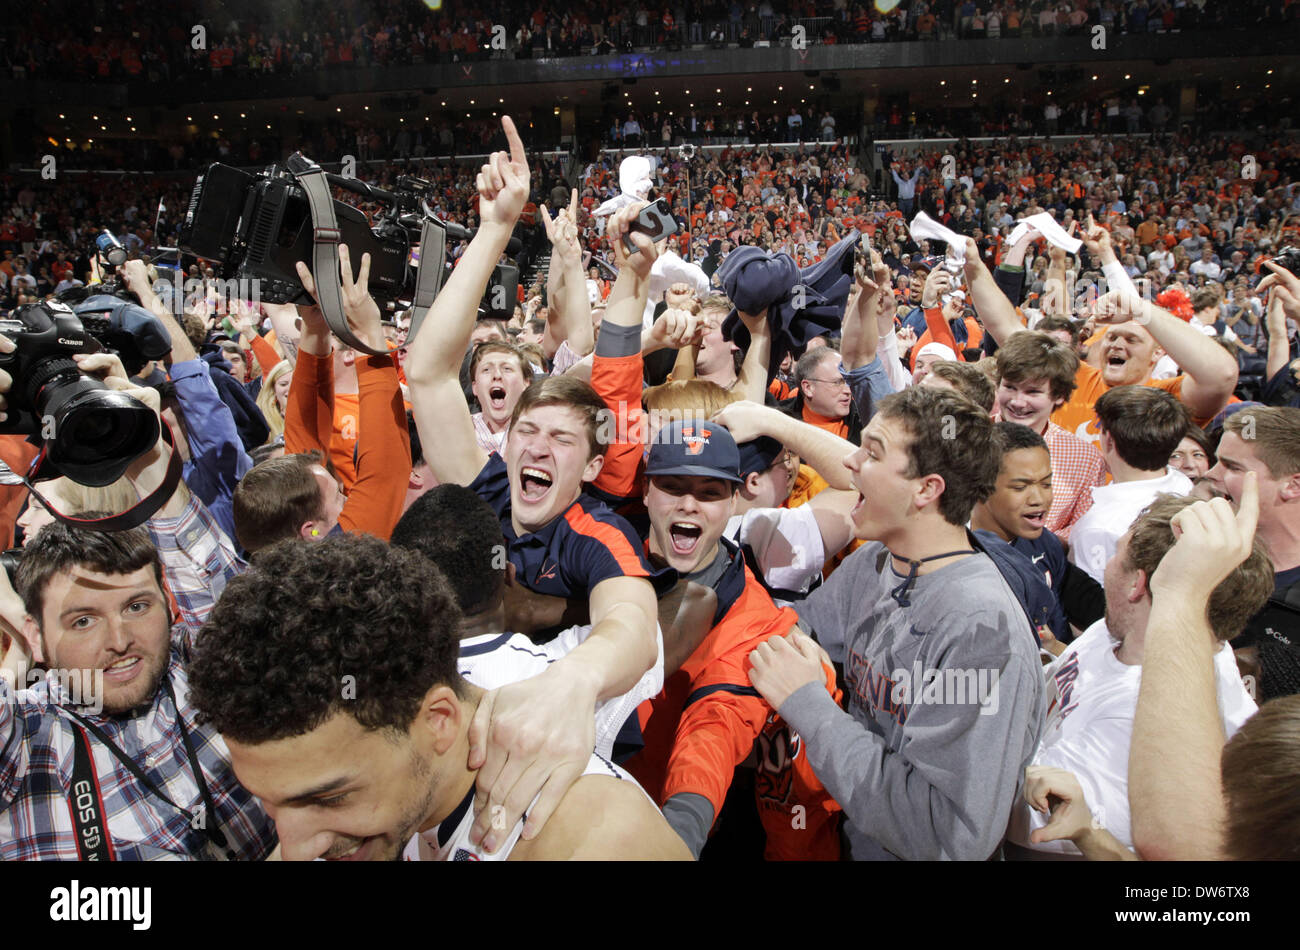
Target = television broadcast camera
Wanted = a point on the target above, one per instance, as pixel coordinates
(257, 226)
(91, 433)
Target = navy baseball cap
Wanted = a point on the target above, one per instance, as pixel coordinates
(694, 447)
(759, 455)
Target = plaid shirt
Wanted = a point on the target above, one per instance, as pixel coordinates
(37, 735)
(1077, 467)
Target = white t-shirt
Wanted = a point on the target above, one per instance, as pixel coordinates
(1115, 507)
(491, 661)
(787, 544)
(449, 840)
(1092, 698)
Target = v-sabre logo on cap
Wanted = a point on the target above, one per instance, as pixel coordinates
(695, 443)
(694, 448)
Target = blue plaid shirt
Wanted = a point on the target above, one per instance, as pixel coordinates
(37, 735)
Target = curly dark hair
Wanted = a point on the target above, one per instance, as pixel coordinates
(347, 624)
(461, 535)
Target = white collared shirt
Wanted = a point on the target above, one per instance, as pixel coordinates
(1115, 507)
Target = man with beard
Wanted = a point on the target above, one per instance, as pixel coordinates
(367, 758)
(73, 779)
(91, 607)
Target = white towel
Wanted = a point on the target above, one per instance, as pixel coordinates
(634, 184)
(1045, 225)
(924, 226)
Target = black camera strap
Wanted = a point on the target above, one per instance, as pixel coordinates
(428, 276)
(87, 803)
(208, 824)
(133, 517)
(325, 250)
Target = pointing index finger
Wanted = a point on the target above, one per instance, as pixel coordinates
(517, 153)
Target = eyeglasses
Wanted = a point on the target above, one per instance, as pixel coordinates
(830, 382)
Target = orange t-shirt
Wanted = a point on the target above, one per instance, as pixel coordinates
(1077, 415)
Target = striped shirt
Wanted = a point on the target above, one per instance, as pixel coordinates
(37, 735)
(488, 440)
(1077, 467)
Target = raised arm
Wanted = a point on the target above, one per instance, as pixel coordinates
(383, 442)
(617, 368)
(752, 381)
(1211, 371)
(568, 294)
(1283, 303)
(994, 309)
(284, 321)
(218, 459)
(824, 451)
(1174, 780)
(136, 276)
(433, 358)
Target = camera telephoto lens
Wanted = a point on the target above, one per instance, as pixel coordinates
(98, 433)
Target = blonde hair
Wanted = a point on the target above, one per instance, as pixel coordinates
(266, 400)
(114, 499)
(696, 397)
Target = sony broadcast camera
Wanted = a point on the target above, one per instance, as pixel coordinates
(90, 433)
(257, 226)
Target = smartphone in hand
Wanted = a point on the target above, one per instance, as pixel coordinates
(655, 221)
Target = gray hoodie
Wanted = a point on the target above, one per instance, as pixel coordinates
(945, 700)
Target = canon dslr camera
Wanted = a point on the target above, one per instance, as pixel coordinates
(91, 433)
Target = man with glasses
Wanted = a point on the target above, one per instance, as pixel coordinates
(824, 398)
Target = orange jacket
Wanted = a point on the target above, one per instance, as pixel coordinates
(267, 357)
(383, 442)
(705, 721)
(617, 380)
(938, 331)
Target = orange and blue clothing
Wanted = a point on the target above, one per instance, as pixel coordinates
(569, 556)
(709, 718)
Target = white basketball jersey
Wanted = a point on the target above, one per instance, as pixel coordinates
(491, 661)
(449, 840)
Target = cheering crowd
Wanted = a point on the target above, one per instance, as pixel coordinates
(253, 40)
(830, 526)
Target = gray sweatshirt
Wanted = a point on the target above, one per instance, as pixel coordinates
(945, 700)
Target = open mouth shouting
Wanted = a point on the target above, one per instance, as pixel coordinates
(1116, 360)
(684, 537)
(1035, 519)
(534, 484)
(497, 398)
